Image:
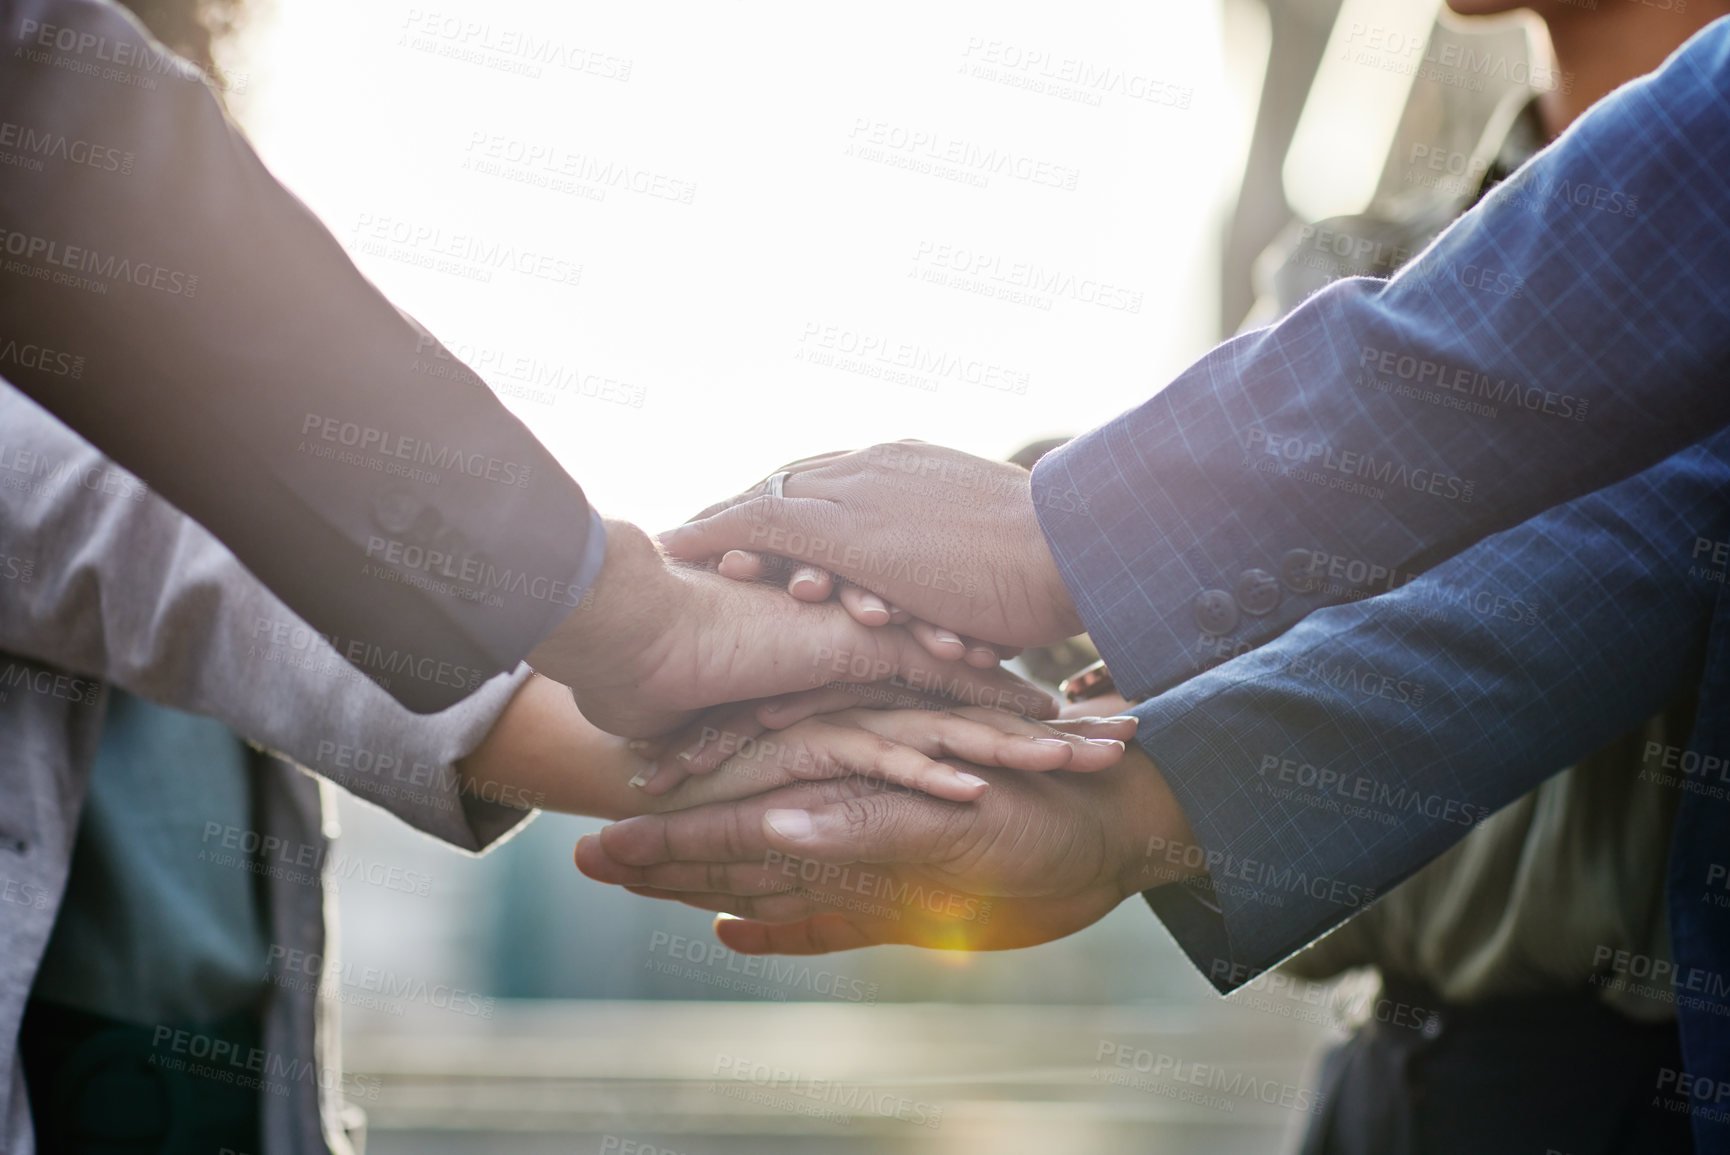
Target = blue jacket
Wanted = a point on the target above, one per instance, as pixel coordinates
(1353, 485)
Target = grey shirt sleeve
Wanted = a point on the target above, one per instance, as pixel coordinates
(103, 578)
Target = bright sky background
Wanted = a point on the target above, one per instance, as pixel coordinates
(369, 111)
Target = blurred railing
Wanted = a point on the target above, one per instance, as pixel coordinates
(642, 1078)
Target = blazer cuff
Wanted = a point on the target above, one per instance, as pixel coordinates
(1271, 884)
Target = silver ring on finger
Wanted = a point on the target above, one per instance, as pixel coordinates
(778, 483)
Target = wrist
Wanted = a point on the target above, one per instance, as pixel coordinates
(618, 616)
(1049, 579)
(1161, 847)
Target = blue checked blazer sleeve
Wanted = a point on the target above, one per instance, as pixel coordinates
(1569, 332)
(1324, 768)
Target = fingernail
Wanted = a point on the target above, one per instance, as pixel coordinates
(946, 636)
(1124, 718)
(642, 778)
(1057, 743)
(685, 756)
(983, 653)
(802, 579)
(638, 745)
(790, 824)
(971, 779)
(1108, 743)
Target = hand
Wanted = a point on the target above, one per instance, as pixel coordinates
(811, 583)
(931, 727)
(655, 643)
(836, 865)
(950, 538)
(891, 748)
(542, 753)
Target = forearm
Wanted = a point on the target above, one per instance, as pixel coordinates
(544, 753)
(213, 337)
(1349, 431)
(1322, 769)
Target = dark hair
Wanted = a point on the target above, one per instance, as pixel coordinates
(191, 28)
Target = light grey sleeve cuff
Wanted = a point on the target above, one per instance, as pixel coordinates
(406, 763)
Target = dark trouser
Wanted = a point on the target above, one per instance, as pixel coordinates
(99, 1086)
(1560, 1074)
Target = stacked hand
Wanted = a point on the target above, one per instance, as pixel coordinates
(827, 813)
(949, 538)
(655, 642)
(837, 864)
